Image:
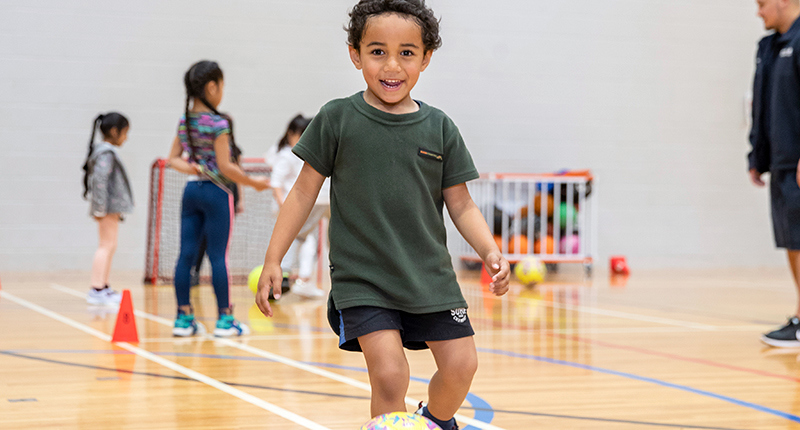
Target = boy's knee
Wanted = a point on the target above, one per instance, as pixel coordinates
(469, 365)
(462, 367)
(390, 374)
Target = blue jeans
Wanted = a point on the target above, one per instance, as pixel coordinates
(206, 211)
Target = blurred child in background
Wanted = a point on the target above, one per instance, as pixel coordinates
(207, 205)
(286, 168)
(111, 197)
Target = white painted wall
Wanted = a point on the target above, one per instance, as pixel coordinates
(647, 94)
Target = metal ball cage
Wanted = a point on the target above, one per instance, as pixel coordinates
(550, 216)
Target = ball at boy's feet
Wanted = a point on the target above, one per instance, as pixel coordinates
(400, 421)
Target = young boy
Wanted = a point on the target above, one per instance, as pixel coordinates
(393, 162)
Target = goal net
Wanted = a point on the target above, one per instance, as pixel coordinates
(252, 228)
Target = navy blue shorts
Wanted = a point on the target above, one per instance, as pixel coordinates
(415, 329)
(785, 198)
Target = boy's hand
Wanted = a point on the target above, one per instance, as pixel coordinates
(498, 267)
(271, 277)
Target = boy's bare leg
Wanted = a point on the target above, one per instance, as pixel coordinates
(388, 371)
(457, 362)
(794, 263)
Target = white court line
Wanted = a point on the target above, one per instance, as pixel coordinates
(289, 362)
(631, 316)
(257, 337)
(611, 330)
(169, 364)
(636, 317)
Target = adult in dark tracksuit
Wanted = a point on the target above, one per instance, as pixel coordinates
(775, 138)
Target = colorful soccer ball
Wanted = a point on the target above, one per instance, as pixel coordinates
(400, 421)
(530, 271)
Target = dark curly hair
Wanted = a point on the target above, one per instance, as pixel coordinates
(423, 15)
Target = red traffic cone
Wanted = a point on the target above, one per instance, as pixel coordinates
(619, 265)
(125, 328)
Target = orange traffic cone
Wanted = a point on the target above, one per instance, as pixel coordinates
(125, 328)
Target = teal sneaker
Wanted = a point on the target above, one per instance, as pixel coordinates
(186, 325)
(227, 326)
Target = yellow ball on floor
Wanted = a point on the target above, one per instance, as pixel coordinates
(530, 271)
(252, 278)
(400, 421)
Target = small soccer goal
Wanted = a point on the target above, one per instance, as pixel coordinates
(251, 231)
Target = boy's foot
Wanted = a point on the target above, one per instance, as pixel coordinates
(186, 325)
(307, 289)
(446, 425)
(104, 296)
(227, 326)
(787, 336)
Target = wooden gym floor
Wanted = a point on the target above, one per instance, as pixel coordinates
(671, 349)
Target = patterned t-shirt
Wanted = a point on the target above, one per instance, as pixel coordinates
(206, 127)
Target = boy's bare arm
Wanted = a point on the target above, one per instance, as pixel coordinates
(470, 223)
(292, 216)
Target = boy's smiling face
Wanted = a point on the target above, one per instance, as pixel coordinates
(391, 57)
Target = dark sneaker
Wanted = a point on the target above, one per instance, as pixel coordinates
(284, 286)
(787, 336)
(423, 410)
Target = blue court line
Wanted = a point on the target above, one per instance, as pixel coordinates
(483, 410)
(732, 400)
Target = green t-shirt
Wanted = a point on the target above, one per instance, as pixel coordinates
(387, 233)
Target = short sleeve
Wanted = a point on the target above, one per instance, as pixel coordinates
(221, 126)
(458, 166)
(318, 144)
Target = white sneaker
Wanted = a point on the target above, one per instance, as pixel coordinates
(106, 296)
(307, 289)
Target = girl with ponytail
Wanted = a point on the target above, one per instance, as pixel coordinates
(106, 181)
(205, 150)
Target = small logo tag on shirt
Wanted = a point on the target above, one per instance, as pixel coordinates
(425, 153)
(786, 52)
(459, 315)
